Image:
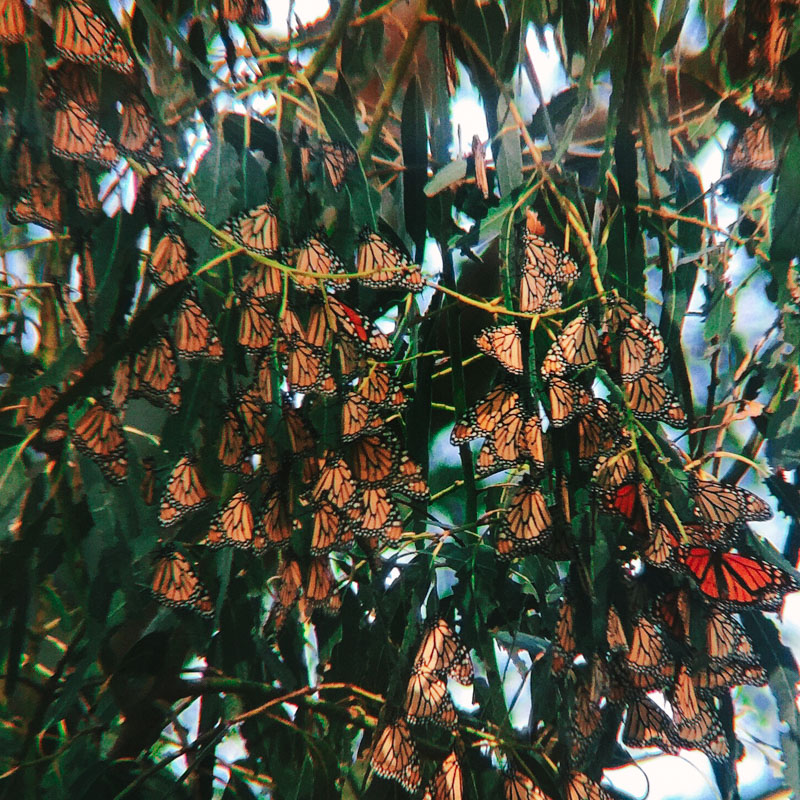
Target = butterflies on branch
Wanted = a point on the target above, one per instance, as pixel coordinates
(545, 268)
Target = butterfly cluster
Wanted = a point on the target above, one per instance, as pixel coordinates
(301, 346)
(394, 755)
(301, 472)
(564, 437)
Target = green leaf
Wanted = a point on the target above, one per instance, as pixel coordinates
(786, 210)
(509, 160)
(414, 142)
(670, 24)
(783, 678)
(448, 176)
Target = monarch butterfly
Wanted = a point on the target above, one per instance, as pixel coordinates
(683, 697)
(726, 639)
(251, 412)
(585, 725)
(615, 633)
(68, 81)
(334, 482)
(290, 327)
(534, 442)
(317, 331)
(330, 529)
(256, 325)
(377, 515)
(77, 136)
(726, 505)
(646, 725)
(12, 21)
(289, 582)
(374, 459)
(538, 292)
(155, 374)
(752, 148)
(427, 700)
(649, 398)
(503, 343)
(138, 135)
(255, 230)
(147, 488)
(98, 434)
(264, 382)
(616, 468)
(598, 431)
(195, 334)
(575, 348)
(358, 416)
(82, 36)
(411, 481)
(33, 408)
(447, 782)
(547, 259)
(302, 439)
(168, 189)
(631, 503)
(735, 581)
(716, 676)
(659, 550)
(638, 355)
(344, 319)
(383, 265)
(86, 192)
(568, 400)
(307, 369)
(320, 591)
(673, 609)
(261, 281)
(527, 524)
(544, 267)
(564, 646)
(487, 414)
(184, 492)
(580, 787)
(518, 786)
(380, 389)
(703, 732)
(503, 446)
(337, 158)
(169, 262)
(276, 518)
(648, 651)
(176, 584)
(316, 257)
(442, 653)
(40, 202)
(233, 524)
(394, 756)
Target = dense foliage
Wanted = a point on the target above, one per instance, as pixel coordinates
(256, 317)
